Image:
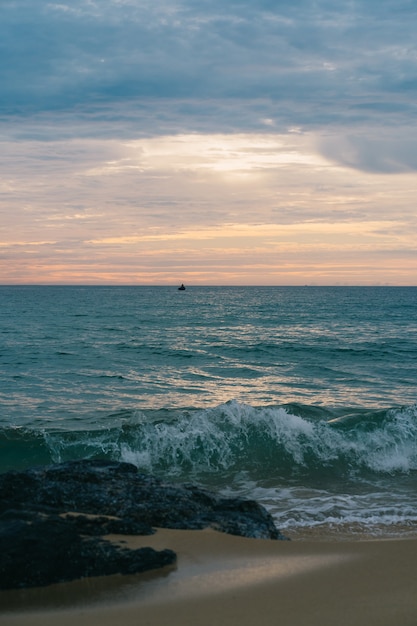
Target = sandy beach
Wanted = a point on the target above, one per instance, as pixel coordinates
(228, 580)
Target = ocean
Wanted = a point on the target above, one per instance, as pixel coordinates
(303, 398)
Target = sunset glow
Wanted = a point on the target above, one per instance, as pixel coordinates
(278, 167)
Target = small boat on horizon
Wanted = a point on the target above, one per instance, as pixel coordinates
(181, 288)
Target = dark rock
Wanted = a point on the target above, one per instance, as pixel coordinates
(52, 520)
(50, 550)
(107, 488)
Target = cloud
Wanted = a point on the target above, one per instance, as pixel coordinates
(88, 189)
(226, 66)
(387, 153)
(205, 135)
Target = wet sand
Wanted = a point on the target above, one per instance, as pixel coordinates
(227, 580)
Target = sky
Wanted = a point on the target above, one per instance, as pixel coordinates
(210, 142)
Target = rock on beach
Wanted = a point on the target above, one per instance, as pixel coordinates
(54, 519)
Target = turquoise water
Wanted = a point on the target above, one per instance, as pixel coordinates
(301, 397)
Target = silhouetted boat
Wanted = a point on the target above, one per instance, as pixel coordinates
(182, 288)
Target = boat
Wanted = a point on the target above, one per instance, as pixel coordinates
(181, 288)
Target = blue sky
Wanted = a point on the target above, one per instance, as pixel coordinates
(247, 142)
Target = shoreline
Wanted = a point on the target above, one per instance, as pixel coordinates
(231, 580)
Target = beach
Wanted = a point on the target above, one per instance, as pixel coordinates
(229, 580)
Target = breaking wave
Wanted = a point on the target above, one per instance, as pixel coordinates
(286, 441)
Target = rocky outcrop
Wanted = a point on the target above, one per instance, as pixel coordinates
(53, 520)
(48, 549)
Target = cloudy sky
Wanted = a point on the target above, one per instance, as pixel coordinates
(265, 142)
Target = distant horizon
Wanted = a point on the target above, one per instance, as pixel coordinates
(195, 285)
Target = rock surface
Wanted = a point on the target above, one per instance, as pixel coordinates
(53, 519)
(49, 550)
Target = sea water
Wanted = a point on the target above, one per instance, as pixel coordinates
(303, 398)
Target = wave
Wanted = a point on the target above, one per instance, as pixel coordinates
(291, 441)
